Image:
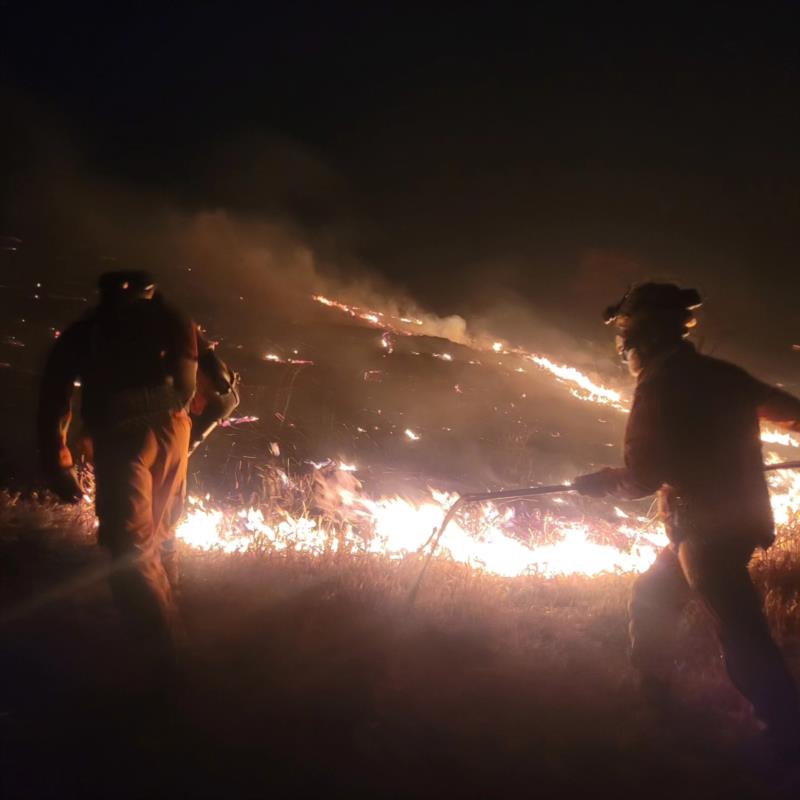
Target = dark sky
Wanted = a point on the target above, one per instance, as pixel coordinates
(464, 153)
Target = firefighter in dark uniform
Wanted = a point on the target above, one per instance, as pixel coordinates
(136, 359)
(693, 436)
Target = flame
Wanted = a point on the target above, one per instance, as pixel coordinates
(395, 527)
(375, 317)
(784, 493)
(489, 539)
(486, 538)
(773, 436)
(587, 388)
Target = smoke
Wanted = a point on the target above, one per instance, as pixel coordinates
(75, 223)
(276, 224)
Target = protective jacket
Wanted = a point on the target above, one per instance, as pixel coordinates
(136, 363)
(126, 359)
(693, 434)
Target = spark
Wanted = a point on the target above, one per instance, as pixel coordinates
(414, 437)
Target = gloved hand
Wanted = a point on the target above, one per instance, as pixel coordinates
(65, 485)
(596, 484)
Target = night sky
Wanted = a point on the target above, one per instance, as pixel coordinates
(549, 155)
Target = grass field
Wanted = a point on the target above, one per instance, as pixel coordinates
(311, 676)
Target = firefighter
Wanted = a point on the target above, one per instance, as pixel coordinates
(136, 359)
(693, 437)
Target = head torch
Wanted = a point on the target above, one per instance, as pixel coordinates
(651, 313)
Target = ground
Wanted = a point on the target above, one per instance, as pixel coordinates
(308, 676)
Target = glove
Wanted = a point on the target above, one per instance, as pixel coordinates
(596, 484)
(65, 485)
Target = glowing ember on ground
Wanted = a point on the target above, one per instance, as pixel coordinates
(293, 361)
(582, 386)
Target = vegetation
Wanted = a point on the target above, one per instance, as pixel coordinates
(312, 676)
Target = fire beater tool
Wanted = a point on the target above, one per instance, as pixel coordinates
(513, 494)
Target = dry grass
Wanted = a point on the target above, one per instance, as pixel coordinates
(312, 676)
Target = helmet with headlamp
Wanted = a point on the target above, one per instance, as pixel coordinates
(652, 317)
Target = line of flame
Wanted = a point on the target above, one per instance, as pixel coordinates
(581, 385)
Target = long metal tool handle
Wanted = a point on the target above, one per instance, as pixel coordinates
(514, 494)
(476, 497)
(782, 465)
